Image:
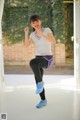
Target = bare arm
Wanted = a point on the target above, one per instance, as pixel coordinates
(48, 37)
(28, 40)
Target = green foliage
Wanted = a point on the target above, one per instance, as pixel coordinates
(58, 19)
(16, 17)
(69, 29)
(15, 22)
(54, 13)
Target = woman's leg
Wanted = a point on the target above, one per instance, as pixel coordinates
(36, 70)
(37, 64)
(42, 94)
(41, 72)
(37, 67)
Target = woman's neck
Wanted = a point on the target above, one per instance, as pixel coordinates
(39, 28)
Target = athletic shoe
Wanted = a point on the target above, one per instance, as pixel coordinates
(41, 104)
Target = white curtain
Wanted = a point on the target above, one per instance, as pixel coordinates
(77, 41)
(1, 47)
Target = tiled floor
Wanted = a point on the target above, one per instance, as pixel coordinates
(18, 98)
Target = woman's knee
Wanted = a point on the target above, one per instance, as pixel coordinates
(32, 62)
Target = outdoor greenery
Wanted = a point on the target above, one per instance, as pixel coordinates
(55, 14)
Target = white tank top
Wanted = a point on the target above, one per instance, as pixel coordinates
(43, 47)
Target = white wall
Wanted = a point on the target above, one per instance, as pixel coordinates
(1, 47)
(77, 42)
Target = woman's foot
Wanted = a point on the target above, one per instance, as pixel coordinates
(39, 87)
(41, 104)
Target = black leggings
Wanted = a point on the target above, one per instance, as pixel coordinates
(37, 64)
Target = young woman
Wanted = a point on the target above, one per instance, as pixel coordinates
(42, 38)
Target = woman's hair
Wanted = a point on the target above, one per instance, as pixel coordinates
(34, 18)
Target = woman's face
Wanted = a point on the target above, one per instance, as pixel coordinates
(36, 24)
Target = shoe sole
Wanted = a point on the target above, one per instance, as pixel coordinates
(41, 107)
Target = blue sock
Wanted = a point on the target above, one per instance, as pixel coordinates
(39, 87)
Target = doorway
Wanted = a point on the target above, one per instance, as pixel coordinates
(13, 35)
